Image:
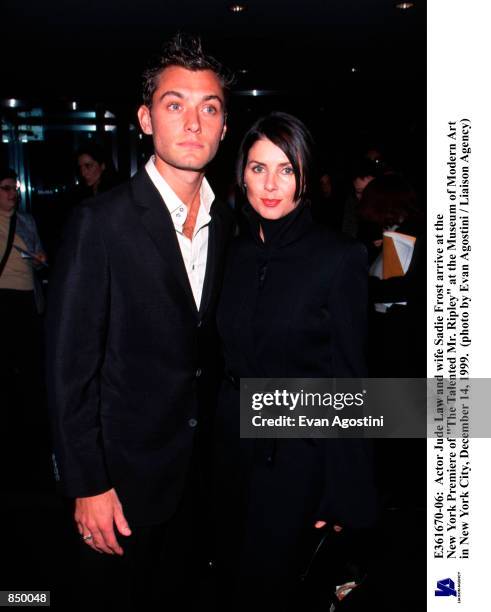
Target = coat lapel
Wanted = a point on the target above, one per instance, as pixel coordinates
(158, 223)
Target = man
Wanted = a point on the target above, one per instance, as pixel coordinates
(131, 332)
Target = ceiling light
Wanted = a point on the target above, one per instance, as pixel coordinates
(237, 8)
(404, 6)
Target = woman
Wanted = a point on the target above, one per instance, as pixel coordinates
(21, 303)
(96, 171)
(293, 305)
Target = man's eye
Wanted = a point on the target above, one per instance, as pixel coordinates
(210, 109)
(174, 106)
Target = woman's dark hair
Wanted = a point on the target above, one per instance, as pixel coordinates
(95, 151)
(7, 173)
(186, 51)
(292, 137)
(387, 200)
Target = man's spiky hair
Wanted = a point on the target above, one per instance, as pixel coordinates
(186, 51)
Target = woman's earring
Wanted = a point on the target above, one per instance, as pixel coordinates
(245, 185)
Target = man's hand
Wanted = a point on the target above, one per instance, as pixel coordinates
(96, 516)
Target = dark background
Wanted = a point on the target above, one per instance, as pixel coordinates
(354, 71)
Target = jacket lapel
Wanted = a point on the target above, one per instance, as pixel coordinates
(218, 231)
(158, 223)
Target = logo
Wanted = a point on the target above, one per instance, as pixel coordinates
(445, 588)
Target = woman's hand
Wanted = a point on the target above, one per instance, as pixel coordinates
(321, 524)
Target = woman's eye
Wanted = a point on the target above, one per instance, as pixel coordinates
(288, 170)
(257, 169)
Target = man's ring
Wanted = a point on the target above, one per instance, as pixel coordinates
(87, 537)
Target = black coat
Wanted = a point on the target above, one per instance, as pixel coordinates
(292, 307)
(131, 361)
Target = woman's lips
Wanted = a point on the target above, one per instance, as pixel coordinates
(270, 203)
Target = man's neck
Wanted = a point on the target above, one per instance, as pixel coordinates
(185, 183)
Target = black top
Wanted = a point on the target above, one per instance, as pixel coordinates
(295, 304)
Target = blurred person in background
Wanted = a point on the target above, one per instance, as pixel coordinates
(398, 303)
(363, 172)
(21, 302)
(96, 170)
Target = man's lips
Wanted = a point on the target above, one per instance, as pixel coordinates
(190, 144)
(270, 202)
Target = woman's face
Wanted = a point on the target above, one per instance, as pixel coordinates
(8, 194)
(269, 180)
(90, 170)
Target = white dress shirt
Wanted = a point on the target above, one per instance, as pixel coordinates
(195, 251)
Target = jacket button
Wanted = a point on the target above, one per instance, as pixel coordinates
(198, 372)
(200, 323)
(192, 422)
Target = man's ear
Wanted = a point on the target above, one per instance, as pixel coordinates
(145, 119)
(224, 131)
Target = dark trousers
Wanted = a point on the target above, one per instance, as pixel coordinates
(24, 452)
(160, 568)
(20, 356)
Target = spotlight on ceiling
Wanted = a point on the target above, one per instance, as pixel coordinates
(237, 8)
(404, 6)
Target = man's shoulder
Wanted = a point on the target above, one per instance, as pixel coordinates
(109, 199)
(119, 200)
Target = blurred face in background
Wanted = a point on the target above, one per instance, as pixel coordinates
(90, 170)
(359, 184)
(8, 194)
(269, 180)
(326, 185)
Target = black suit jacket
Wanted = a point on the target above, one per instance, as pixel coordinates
(131, 362)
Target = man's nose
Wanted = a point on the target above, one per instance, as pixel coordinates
(192, 122)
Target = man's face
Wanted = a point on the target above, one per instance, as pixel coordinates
(8, 194)
(186, 120)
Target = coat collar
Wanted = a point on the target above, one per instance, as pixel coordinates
(290, 228)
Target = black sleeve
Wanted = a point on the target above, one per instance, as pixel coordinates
(348, 310)
(76, 327)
